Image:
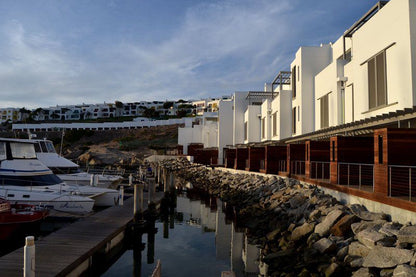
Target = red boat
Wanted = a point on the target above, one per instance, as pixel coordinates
(18, 217)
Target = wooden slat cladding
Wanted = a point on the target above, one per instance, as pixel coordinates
(295, 152)
(255, 155)
(240, 158)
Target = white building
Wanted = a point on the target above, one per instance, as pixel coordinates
(375, 72)
(308, 62)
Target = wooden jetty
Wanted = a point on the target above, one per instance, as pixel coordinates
(70, 251)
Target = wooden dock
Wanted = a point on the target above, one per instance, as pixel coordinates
(69, 250)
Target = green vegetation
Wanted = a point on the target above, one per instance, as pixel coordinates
(76, 135)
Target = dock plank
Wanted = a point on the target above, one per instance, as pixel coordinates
(62, 249)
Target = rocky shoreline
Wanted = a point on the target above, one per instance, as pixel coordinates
(304, 232)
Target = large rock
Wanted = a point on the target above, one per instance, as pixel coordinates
(361, 212)
(358, 249)
(323, 228)
(364, 225)
(390, 228)
(324, 245)
(343, 226)
(302, 231)
(407, 234)
(370, 237)
(385, 257)
(363, 272)
(404, 270)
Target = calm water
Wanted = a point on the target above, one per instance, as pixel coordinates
(194, 241)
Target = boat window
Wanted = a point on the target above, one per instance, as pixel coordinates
(10, 195)
(26, 196)
(2, 150)
(43, 146)
(50, 147)
(37, 148)
(22, 150)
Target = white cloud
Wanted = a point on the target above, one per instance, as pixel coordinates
(220, 47)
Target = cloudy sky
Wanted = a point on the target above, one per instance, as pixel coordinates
(90, 51)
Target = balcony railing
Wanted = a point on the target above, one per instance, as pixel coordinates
(297, 167)
(262, 164)
(402, 182)
(319, 170)
(354, 175)
(282, 166)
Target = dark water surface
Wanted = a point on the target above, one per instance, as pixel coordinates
(196, 240)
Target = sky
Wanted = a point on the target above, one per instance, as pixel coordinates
(93, 51)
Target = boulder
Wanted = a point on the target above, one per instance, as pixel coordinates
(358, 249)
(370, 237)
(302, 231)
(332, 270)
(361, 212)
(324, 245)
(404, 270)
(386, 272)
(343, 226)
(385, 257)
(363, 272)
(323, 228)
(390, 228)
(364, 225)
(407, 234)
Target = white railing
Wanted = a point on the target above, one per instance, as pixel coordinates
(282, 166)
(319, 170)
(402, 182)
(356, 175)
(297, 167)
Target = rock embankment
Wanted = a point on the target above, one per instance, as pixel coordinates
(304, 232)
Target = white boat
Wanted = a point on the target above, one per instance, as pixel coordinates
(68, 171)
(63, 202)
(102, 196)
(25, 178)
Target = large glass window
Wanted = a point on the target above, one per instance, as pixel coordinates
(377, 84)
(275, 124)
(50, 147)
(293, 82)
(263, 127)
(294, 120)
(22, 150)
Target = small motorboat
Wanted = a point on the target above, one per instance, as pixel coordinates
(18, 217)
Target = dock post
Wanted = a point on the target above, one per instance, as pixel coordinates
(171, 181)
(138, 200)
(121, 196)
(29, 257)
(92, 180)
(165, 182)
(151, 243)
(130, 180)
(151, 182)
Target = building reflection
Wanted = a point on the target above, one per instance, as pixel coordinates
(231, 241)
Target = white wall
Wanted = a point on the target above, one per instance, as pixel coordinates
(266, 115)
(282, 104)
(239, 107)
(225, 126)
(252, 118)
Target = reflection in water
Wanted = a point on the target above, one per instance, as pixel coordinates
(196, 240)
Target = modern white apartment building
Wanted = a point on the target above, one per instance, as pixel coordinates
(375, 72)
(225, 126)
(309, 61)
(10, 114)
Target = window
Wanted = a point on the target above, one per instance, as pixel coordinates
(377, 85)
(245, 131)
(263, 127)
(275, 124)
(324, 111)
(380, 149)
(294, 120)
(294, 82)
(298, 113)
(23, 150)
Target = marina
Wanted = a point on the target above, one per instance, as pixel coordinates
(73, 249)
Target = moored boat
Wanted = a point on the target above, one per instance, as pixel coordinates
(16, 217)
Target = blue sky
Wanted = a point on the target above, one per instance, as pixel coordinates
(90, 51)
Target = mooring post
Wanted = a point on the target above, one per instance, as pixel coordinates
(165, 183)
(29, 257)
(166, 229)
(151, 244)
(151, 190)
(171, 181)
(121, 196)
(138, 200)
(92, 179)
(130, 180)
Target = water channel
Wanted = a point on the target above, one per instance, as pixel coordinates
(195, 239)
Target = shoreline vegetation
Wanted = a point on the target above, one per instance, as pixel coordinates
(303, 232)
